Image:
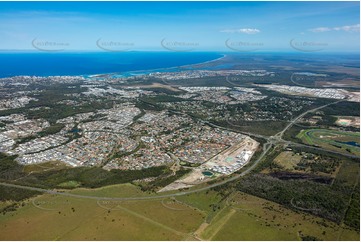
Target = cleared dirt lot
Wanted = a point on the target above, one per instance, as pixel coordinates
(224, 163)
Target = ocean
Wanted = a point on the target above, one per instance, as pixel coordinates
(91, 63)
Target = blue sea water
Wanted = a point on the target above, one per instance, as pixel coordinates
(90, 63)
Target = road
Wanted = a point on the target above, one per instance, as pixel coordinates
(322, 149)
(266, 147)
(280, 134)
(298, 84)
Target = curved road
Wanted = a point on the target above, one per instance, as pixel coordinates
(266, 147)
(280, 134)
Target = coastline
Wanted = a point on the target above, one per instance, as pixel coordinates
(126, 73)
(147, 71)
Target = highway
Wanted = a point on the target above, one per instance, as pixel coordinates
(280, 134)
(272, 140)
(265, 146)
(298, 84)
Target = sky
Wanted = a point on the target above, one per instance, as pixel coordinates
(180, 26)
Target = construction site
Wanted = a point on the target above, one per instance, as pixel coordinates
(224, 163)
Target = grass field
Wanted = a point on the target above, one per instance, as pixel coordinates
(288, 160)
(349, 172)
(51, 165)
(346, 142)
(201, 200)
(306, 163)
(201, 215)
(208, 202)
(247, 215)
(50, 217)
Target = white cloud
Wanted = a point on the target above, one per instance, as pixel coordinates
(243, 31)
(346, 28)
(349, 28)
(320, 29)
